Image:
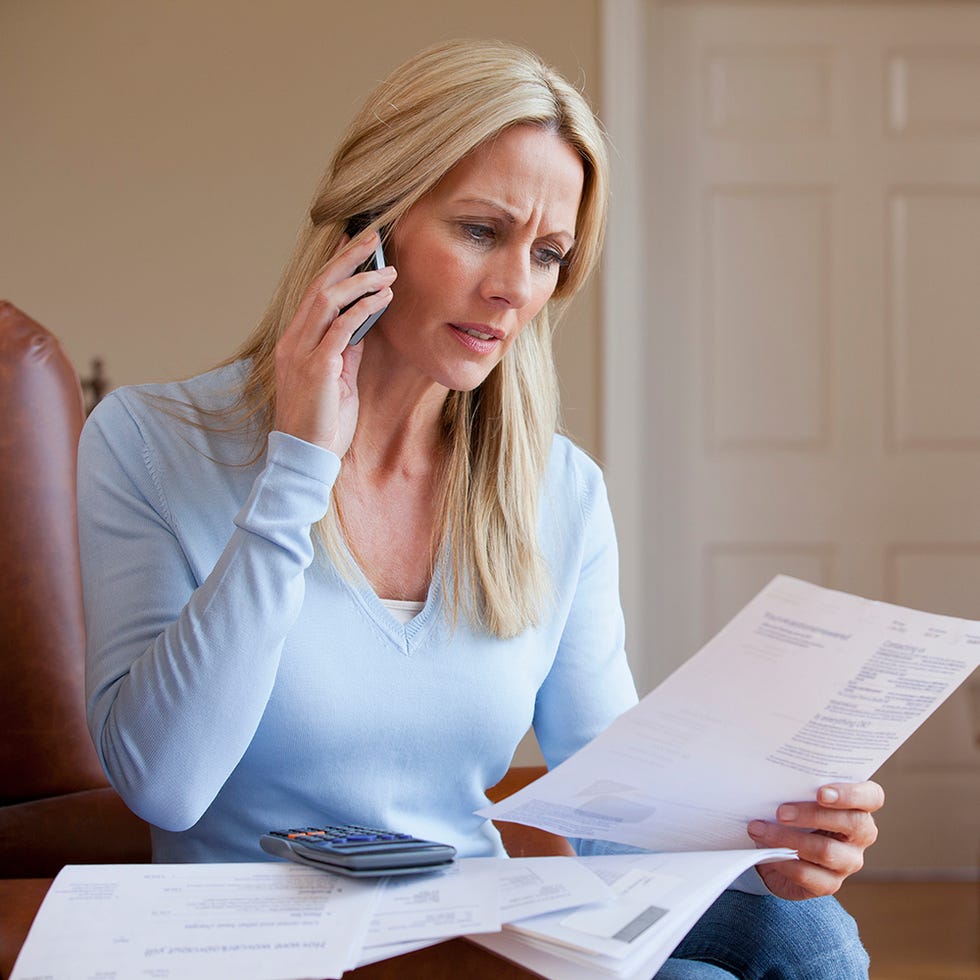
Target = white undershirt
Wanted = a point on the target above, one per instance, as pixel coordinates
(403, 609)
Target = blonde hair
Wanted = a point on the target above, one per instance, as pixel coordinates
(414, 128)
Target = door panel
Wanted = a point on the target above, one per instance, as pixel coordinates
(815, 348)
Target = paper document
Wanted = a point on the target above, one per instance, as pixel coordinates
(804, 686)
(461, 899)
(276, 920)
(266, 921)
(504, 889)
(655, 900)
(537, 885)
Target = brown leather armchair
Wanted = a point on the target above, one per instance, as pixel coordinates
(56, 806)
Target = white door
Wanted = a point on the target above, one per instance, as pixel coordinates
(807, 310)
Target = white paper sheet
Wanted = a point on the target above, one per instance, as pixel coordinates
(464, 898)
(537, 885)
(657, 899)
(276, 920)
(804, 686)
(267, 921)
(484, 891)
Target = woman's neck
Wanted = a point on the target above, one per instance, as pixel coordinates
(389, 497)
(399, 423)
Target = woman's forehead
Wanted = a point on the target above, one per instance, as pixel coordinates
(524, 171)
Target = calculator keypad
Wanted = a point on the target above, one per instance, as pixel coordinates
(334, 836)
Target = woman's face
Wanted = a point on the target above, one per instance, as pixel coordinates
(479, 256)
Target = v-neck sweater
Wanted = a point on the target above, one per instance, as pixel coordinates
(238, 682)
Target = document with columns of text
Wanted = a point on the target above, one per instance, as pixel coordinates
(277, 920)
(805, 686)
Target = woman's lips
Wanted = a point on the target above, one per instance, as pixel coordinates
(476, 333)
(477, 336)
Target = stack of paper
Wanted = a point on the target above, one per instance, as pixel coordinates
(657, 899)
(280, 921)
(277, 921)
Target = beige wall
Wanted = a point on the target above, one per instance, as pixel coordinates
(158, 157)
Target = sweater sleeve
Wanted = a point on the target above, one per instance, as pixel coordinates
(178, 672)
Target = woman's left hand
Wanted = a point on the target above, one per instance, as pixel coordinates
(830, 836)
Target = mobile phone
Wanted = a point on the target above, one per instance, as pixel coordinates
(354, 227)
(359, 852)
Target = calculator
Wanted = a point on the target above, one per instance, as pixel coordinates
(360, 852)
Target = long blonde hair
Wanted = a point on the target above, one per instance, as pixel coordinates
(415, 127)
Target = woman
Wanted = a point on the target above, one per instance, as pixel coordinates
(336, 582)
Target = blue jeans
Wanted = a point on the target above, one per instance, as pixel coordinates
(759, 937)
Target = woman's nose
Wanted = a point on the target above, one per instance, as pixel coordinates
(508, 279)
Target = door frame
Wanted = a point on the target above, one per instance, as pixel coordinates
(627, 300)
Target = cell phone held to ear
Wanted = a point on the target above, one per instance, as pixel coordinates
(354, 227)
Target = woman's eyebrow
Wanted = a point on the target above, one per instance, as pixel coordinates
(486, 202)
(505, 212)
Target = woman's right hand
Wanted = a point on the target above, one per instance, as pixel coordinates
(316, 369)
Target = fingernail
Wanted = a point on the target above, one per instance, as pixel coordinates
(787, 812)
(756, 828)
(829, 795)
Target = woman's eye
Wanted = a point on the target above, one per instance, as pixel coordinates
(549, 257)
(478, 233)
(486, 235)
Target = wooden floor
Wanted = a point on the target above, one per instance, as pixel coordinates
(920, 930)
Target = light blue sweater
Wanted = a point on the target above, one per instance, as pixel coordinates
(237, 683)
